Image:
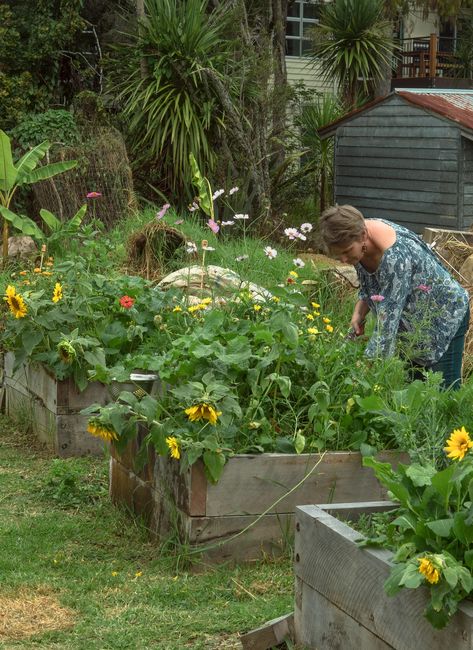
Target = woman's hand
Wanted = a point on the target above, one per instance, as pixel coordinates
(357, 324)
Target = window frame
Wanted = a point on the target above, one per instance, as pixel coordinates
(301, 20)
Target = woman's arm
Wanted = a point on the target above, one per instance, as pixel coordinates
(359, 316)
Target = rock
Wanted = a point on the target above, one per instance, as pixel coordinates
(21, 246)
(466, 269)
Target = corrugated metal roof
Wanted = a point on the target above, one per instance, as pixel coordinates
(455, 105)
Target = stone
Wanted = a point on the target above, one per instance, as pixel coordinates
(21, 246)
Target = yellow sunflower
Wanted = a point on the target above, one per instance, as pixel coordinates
(428, 570)
(173, 445)
(203, 412)
(97, 428)
(57, 294)
(15, 302)
(458, 444)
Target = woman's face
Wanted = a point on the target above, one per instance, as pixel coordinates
(349, 252)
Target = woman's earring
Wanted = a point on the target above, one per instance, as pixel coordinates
(363, 248)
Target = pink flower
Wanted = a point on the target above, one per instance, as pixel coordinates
(424, 287)
(292, 233)
(126, 302)
(162, 212)
(94, 195)
(213, 225)
(377, 297)
(306, 227)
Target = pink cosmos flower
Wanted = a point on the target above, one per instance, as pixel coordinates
(377, 297)
(306, 227)
(162, 212)
(126, 302)
(213, 225)
(424, 287)
(94, 195)
(292, 233)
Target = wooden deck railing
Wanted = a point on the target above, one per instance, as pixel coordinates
(430, 56)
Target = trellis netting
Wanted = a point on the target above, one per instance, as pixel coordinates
(103, 168)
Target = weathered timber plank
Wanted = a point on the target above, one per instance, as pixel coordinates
(351, 578)
(402, 133)
(72, 438)
(446, 191)
(440, 199)
(425, 144)
(395, 153)
(396, 120)
(321, 625)
(414, 211)
(428, 165)
(399, 173)
(442, 234)
(270, 634)
(129, 490)
(250, 484)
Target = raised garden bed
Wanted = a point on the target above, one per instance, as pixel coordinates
(250, 493)
(340, 602)
(51, 407)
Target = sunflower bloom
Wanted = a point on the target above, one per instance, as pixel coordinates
(203, 412)
(173, 445)
(458, 444)
(100, 430)
(428, 570)
(66, 351)
(15, 302)
(57, 294)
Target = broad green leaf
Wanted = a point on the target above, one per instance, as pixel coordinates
(214, 463)
(47, 171)
(30, 340)
(420, 475)
(462, 531)
(76, 220)
(50, 220)
(8, 171)
(31, 158)
(193, 453)
(158, 436)
(24, 224)
(451, 576)
(299, 443)
(441, 527)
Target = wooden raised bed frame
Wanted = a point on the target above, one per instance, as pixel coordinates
(340, 602)
(51, 407)
(212, 517)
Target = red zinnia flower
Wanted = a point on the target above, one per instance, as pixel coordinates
(126, 301)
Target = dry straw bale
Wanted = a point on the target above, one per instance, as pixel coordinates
(29, 612)
(151, 248)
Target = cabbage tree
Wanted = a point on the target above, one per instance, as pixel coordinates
(24, 172)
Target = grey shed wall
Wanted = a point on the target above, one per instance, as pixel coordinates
(467, 182)
(401, 163)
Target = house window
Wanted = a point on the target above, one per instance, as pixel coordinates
(302, 16)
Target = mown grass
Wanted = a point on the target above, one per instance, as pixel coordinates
(89, 576)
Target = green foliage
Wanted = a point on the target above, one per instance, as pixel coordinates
(56, 126)
(69, 483)
(352, 43)
(166, 96)
(432, 530)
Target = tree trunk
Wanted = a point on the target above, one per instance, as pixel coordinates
(280, 92)
(141, 14)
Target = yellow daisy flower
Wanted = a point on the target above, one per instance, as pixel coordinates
(23, 272)
(57, 294)
(312, 330)
(46, 273)
(37, 270)
(329, 328)
(276, 299)
(458, 444)
(257, 307)
(315, 305)
(206, 301)
(177, 308)
(316, 313)
(203, 411)
(326, 320)
(309, 317)
(294, 274)
(173, 445)
(428, 570)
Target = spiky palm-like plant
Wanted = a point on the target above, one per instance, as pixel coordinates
(171, 109)
(353, 45)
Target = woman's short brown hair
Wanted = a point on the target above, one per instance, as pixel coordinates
(340, 225)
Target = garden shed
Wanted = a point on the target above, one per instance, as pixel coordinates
(408, 157)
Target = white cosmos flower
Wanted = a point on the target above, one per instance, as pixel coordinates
(240, 258)
(191, 247)
(306, 227)
(233, 190)
(301, 236)
(227, 223)
(292, 233)
(241, 216)
(216, 194)
(270, 252)
(298, 262)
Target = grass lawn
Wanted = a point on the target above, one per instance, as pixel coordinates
(77, 573)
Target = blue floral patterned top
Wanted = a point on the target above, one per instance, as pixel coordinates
(411, 292)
